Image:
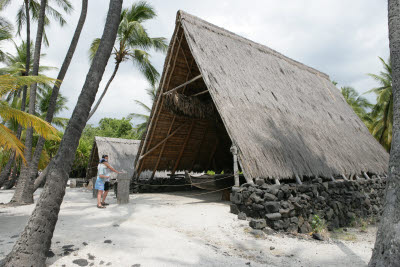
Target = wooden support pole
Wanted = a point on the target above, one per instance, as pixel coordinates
(277, 181)
(366, 176)
(202, 92)
(184, 84)
(162, 142)
(298, 180)
(344, 177)
(235, 165)
(162, 149)
(358, 178)
(333, 178)
(379, 177)
(183, 147)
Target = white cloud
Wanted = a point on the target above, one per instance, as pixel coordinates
(341, 38)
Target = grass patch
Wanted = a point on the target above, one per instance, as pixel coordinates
(340, 234)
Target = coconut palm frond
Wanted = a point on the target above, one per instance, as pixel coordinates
(93, 48)
(27, 120)
(9, 142)
(9, 83)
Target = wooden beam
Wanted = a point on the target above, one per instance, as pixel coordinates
(163, 141)
(201, 143)
(184, 84)
(162, 149)
(158, 106)
(298, 180)
(183, 147)
(344, 177)
(202, 92)
(366, 176)
(277, 181)
(333, 179)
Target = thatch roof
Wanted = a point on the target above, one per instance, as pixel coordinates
(121, 152)
(285, 118)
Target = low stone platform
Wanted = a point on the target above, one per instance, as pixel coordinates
(290, 207)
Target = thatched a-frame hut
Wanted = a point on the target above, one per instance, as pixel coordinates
(285, 118)
(122, 154)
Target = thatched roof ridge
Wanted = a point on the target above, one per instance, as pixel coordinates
(285, 118)
(182, 15)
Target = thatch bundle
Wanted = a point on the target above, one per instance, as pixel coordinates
(189, 106)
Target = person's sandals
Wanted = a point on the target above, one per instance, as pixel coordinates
(101, 207)
(104, 204)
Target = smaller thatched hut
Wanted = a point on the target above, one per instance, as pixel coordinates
(121, 153)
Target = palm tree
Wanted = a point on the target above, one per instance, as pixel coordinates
(52, 105)
(132, 44)
(140, 128)
(24, 188)
(16, 66)
(387, 246)
(34, 242)
(34, 10)
(5, 34)
(6, 30)
(359, 104)
(44, 102)
(382, 113)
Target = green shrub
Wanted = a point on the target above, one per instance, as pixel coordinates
(317, 224)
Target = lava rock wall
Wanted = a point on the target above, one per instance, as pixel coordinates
(291, 207)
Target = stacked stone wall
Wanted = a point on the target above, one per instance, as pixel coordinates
(291, 207)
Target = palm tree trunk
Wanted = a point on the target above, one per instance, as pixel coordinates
(33, 165)
(14, 177)
(41, 179)
(5, 173)
(35, 240)
(105, 90)
(387, 246)
(24, 191)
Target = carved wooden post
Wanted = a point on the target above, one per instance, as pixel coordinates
(123, 188)
(235, 165)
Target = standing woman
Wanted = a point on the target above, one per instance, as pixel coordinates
(100, 182)
(108, 169)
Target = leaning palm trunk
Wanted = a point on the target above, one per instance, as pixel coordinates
(5, 173)
(14, 177)
(33, 165)
(24, 192)
(387, 246)
(35, 240)
(41, 179)
(105, 90)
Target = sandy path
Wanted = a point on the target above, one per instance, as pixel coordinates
(171, 230)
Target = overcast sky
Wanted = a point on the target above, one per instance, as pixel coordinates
(339, 37)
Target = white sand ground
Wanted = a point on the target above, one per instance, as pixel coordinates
(172, 229)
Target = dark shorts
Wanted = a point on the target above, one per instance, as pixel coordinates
(106, 186)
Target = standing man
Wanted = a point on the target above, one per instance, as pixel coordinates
(108, 169)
